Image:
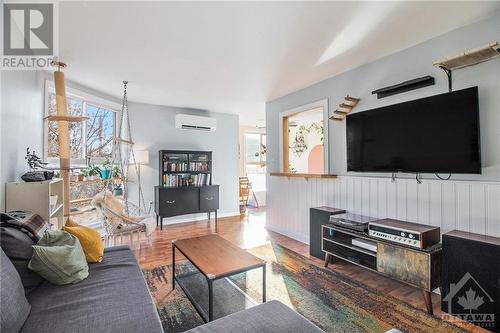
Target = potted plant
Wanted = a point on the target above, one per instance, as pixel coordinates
(117, 190)
(92, 172)
(115, 172)
(106, 169)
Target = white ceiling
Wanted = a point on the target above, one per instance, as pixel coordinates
(234, 56)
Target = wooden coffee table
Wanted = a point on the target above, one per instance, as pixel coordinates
(215, 258)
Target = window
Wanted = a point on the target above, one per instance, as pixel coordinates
(75, 107)
(255, 153)
(303, 147)
(100, 131)
(92, 139)
(255, 160)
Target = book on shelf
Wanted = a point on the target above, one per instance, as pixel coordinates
(199, 166)
(175, 181)
(175, 166)
(201, 179)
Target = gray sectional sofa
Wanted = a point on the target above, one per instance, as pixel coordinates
(114, 298)
(269, 317)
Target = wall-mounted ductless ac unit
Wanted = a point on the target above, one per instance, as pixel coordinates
(196, 123)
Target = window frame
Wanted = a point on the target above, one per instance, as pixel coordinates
(284, 141)
(260, 163)
(86, 98)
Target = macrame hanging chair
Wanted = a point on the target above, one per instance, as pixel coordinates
(121, 218)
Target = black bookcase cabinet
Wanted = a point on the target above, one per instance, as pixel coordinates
(182, 199)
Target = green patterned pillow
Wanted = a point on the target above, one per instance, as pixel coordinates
(59, 258)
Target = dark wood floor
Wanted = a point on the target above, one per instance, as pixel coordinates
(248, 231)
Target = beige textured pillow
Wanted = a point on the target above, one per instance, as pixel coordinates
(59, 258)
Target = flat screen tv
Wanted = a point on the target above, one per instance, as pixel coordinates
(437, 134)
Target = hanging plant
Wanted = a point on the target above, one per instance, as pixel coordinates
(299, 145)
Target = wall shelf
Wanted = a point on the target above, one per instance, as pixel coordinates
(69, 118)
(344, 108)
(470, 57)
(302, 175)
(404, 86)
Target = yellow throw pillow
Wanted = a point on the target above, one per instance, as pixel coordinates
(90, 239)
(71, 223)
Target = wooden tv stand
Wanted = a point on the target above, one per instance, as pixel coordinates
(419, 268)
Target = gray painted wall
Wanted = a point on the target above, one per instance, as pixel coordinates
(21, 122)
(469, 204)
(154, 129)
(404, 65)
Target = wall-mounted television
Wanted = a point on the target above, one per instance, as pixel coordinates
(437, 134)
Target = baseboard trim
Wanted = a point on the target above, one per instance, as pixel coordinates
(299, 237)
(196, 217)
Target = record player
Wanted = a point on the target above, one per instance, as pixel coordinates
(352, 221)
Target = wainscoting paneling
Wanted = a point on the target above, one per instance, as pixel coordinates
(469, 206)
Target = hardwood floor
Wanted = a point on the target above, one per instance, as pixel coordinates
(248, 231)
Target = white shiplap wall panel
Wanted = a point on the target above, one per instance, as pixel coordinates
(401, 200)
(478, 208)
(448, 211)
(364, 193)
(469, 206)
(392, 201)
(373, 199)
(423, 203)
(436, 204)
(493, 210)
(382, 197)
(412, 200)
(462, 206)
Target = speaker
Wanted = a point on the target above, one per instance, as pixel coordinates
(471, 278)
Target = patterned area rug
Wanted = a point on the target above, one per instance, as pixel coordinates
(329, 299)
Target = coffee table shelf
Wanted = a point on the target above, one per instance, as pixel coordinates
(215, 260)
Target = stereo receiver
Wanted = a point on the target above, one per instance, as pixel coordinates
(406, 233)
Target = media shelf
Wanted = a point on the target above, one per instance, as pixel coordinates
(339, 244)
(185, 184)
(420, 268)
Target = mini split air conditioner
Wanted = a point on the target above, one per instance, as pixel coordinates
(197, 123)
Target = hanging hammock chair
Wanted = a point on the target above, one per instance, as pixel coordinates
(121, 218)
(121, 221)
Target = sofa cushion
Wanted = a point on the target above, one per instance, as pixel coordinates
(17, 245)
(15, 307)
(114, 298)
(90, 239)
(270, 317)
(59, 258)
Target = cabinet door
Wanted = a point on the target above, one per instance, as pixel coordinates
(404, 264)
(178, 201)
(209, 198)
